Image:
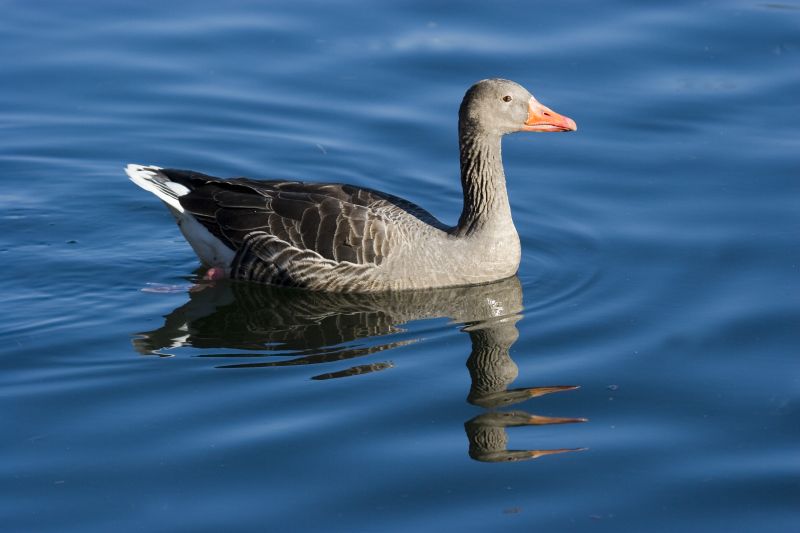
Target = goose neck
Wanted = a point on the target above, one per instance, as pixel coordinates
(484, 184)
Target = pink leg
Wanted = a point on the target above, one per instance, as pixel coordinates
(214, 273)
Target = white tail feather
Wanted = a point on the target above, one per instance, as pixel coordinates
(208, 248)
(148, 178)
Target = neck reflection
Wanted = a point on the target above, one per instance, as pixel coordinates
(273, 327)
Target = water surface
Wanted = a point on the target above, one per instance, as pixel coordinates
(640, 373)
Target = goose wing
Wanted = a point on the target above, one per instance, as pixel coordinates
(338, 222)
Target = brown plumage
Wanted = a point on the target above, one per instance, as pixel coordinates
(343, 238)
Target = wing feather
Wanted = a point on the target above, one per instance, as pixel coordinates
(335, 222)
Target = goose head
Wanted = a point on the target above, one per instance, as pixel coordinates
(498, 107)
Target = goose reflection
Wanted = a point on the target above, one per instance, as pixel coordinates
(290, 327)
(492, 370)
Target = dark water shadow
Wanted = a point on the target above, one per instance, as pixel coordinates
(287, 327)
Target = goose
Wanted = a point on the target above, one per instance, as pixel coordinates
(342, 238)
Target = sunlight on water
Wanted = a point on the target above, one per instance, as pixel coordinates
(639, 373)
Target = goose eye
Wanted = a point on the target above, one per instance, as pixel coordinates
(507, 98)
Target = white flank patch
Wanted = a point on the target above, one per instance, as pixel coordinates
(208, 248)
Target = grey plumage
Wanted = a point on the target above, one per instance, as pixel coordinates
(342, 238)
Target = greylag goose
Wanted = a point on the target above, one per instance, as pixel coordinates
(342, 238)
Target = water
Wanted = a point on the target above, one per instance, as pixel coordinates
(659, 272)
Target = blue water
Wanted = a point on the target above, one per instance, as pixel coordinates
(659, 272)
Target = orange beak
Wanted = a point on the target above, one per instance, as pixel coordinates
(542, 118)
